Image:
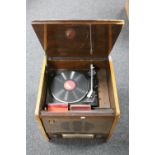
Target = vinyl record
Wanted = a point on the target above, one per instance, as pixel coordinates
(69, 86)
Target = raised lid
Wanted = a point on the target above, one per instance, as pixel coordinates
(77, 38)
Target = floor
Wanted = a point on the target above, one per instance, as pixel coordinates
(81, 9)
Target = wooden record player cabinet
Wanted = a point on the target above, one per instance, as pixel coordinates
(73, 45)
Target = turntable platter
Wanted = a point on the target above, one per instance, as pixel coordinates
(69, 86)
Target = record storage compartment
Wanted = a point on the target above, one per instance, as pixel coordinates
(97, 123)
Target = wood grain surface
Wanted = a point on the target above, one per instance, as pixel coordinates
(78, 38)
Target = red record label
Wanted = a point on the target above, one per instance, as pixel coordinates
(69, 85)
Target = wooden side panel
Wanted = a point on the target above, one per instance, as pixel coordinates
(40, 99)
(39, 30)
(113, 95)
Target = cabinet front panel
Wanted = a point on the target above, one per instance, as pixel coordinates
(77, 125)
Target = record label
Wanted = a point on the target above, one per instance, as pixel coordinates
(69, 85)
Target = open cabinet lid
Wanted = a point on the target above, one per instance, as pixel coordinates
(77, 38)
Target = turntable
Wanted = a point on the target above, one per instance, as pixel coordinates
(69, 86)
(77, 95)
(73, 87)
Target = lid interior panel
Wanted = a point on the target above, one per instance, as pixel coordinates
(77, 38)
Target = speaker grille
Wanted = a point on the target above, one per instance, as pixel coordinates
(76, 125)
